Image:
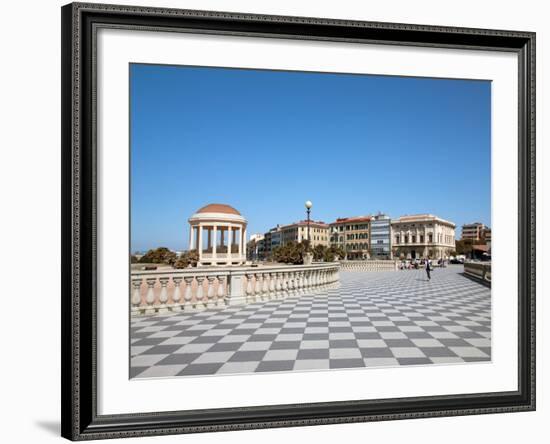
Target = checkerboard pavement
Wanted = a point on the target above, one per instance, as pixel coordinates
(373, 319)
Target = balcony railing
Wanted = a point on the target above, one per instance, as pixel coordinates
(198, 289)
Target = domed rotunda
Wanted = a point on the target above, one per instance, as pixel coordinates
(218, 233)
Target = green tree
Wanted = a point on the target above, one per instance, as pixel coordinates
(464, 246)
(186, 259)
(333, 252)
(290, 253)
(293, 253)
(319, 252)
(161, 255)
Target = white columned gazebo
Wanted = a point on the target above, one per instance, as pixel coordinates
(218, 233)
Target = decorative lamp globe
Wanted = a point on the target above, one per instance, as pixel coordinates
(308, 204)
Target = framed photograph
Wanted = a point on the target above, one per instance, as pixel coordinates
(281, 221)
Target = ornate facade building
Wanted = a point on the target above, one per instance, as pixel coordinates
(422, 235)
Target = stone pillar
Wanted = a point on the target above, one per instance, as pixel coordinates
(214, 254)
(243, 241)
(229, 258)
(237, 288)
(199, 243)
(191, 229)
(240, 249)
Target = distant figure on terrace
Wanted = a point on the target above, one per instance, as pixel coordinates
(428, 268)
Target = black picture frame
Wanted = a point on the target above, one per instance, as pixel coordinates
(79, 210)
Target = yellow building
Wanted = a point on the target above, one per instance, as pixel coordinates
(298, 232)
(352, 234)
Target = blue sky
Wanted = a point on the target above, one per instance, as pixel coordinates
(266, 141)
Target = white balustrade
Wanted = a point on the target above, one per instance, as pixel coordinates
(190, 290)
(369, 265)
(478, 270)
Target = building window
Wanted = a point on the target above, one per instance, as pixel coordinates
(413, 239)
(430, 238)
(397, 239)
(421, 238)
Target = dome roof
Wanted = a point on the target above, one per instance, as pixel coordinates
(218, 208)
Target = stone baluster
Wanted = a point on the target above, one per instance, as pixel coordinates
(279, 286)
(150, 298)
(136, 295)
(313, 280)
(291, 284)
(284, 284)
(176, 296)
(249, 288)
(188, 295)
(272, 288)
(163, 299)
(297, 278)
(308, 281)
(265, 286)
(296, 283)
(321, 285)
(259, 283)
(221, 290)
(303, 282)
(300, 282)
(210, 292)
(199, 302)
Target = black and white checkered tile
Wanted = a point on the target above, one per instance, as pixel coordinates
(373, 319)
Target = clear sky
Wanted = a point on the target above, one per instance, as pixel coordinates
(267, 141)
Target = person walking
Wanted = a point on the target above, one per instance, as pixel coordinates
(428, 269)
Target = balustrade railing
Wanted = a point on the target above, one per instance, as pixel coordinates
(369, 265)
(198, 289)
(478, 270)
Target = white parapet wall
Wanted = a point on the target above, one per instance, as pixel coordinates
(478, 270)
(369, 265)
(195, 289)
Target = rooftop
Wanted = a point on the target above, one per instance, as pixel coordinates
(420, 218)
(218, 208)
(344, 220)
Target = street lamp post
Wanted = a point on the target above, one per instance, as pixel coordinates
(308, 205)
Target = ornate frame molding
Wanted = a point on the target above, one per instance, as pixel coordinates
(80, 22)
